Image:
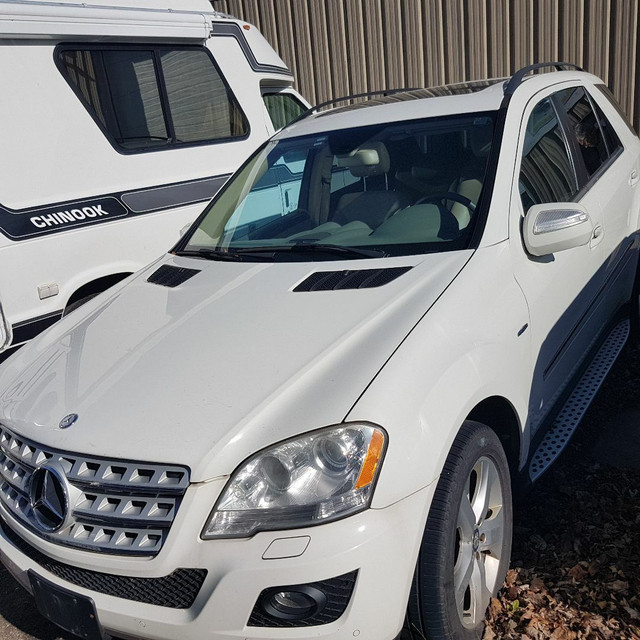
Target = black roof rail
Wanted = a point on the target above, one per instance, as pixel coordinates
(518, 76)
(353, 96)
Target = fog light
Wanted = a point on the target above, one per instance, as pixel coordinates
(296, 603)
(303, 605)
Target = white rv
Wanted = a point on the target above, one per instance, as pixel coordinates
(120, 119)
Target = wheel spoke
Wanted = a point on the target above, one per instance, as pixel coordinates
(462, 574)
(487, 478)
(492, 533)
(480, 594)
(466, 518)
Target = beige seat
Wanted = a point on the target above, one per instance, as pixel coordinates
(470, 188)
(419, 223)
(371, 206)
(469, 184)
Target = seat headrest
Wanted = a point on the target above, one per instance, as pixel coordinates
(371, 159)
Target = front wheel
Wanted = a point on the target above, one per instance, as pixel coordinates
(466, 545)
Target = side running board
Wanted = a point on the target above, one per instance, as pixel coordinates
(556, 439)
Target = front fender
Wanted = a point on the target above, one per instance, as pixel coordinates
(470, 346)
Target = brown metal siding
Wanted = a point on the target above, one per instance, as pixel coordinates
(336, 47)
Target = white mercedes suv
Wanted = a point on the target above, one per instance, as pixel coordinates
(306, 419)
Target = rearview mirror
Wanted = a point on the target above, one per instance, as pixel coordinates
(552, 227)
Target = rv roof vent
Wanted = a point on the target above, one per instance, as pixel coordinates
(170, 276)
(350, 279)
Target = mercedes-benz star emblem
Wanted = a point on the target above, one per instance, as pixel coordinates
(67, 421)
(49, 497)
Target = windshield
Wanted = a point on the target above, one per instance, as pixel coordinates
(385, 190)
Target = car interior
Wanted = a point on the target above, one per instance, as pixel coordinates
(393, 186)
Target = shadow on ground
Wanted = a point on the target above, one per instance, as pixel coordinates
(576, 550)
(19, 618)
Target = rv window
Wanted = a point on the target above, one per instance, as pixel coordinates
(147, 98)
(282, 108)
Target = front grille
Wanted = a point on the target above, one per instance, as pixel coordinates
(178, 590)
(116, 506)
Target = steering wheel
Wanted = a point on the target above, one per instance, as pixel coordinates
(450, 195)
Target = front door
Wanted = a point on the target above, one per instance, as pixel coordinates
(560, 288)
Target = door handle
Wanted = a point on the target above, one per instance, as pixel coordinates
(596, 238)
(633, 178)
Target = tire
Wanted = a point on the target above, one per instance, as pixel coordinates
(466, 545)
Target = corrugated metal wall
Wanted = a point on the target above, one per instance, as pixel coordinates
(337, 47)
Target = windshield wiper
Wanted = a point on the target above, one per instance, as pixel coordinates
(209, 254)
(268, 253)
(301, 247)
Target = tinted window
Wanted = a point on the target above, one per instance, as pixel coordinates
(610, 136)
(125, 89)
(584, 126)
(546, 172)
(282, 108)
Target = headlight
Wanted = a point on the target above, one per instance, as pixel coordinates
(319, 477)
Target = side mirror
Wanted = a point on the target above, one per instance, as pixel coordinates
(556, 226)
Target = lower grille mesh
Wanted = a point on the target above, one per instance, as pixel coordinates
(178, 590)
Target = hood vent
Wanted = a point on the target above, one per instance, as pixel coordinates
(170, 276)
(361, 279)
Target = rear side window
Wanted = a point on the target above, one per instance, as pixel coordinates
(147, 98)
(546, 172)
(282, 108)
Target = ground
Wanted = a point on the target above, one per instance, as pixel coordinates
(576, 550)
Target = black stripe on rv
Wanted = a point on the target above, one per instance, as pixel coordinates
(43, 220)
(29, 329)
(234, 31)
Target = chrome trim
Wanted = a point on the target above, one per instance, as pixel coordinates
(558, 219)
(115, 506)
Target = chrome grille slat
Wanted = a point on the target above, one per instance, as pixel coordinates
(16, 474)
(120, 507)
(109, 507)
(14, 500)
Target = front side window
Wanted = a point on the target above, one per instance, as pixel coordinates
(546, 172)
(155, 97)
(375, 191)
(584, 125)
(610, 136)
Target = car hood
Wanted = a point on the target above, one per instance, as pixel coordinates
(207, 372)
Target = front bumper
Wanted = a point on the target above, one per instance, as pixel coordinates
(380, 544)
